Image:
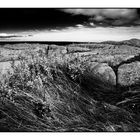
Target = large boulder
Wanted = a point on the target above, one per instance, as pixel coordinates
(104, 73)
(129, 74)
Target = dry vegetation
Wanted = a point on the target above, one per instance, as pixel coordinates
(51, 92)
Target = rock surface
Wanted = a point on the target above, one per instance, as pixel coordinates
(129, 74)
(105, 73)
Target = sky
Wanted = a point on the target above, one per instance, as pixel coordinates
(76, 25)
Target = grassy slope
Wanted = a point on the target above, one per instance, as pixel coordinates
(60, 94)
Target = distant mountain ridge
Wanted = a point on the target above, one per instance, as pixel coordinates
(133, 42)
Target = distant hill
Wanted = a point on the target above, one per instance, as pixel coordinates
(133, 42)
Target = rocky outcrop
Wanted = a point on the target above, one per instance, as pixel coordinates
(105, 73)
(129, 74)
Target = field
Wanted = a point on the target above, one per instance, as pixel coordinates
(79, 87)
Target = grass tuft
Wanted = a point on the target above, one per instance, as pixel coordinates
(56, 94)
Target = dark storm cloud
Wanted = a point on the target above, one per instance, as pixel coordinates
(32, 19)
(37, 19)
(108, 17)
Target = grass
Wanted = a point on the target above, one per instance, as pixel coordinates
(59, 94)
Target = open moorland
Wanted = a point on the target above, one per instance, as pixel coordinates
(78, 87)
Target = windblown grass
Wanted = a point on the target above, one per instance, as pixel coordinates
(59, 94)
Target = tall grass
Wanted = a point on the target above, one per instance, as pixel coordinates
(58, 93)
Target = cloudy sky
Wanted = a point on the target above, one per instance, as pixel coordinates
(69, 24)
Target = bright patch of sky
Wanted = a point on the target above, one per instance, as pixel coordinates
(79, 33)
